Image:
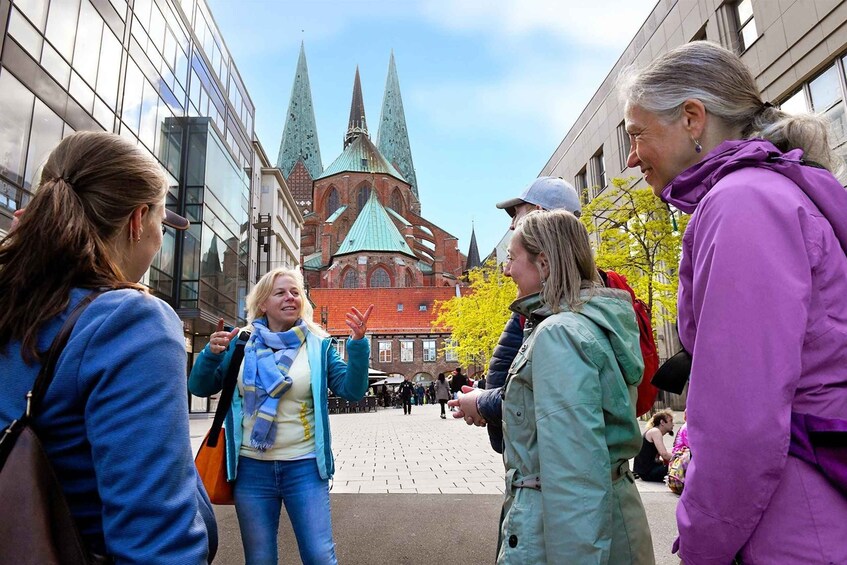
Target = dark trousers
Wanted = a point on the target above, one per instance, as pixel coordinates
(407, 405)
(443, 404)
(655, 474)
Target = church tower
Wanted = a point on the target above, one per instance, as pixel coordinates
(473, 254)
(392, 138)
(299, 152)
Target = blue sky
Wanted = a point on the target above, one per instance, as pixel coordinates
(489, 87)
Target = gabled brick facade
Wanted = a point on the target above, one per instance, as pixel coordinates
(392, 324)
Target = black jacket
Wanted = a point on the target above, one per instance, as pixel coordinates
(490, 402)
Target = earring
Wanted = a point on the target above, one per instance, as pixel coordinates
(697, 147)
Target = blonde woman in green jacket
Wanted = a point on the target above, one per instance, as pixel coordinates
(568, 411)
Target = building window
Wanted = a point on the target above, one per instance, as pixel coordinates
(795, 104)
(407, 351)
(747, 33)
(623, 144)
(450, 351)
(397, 201)
(350, 279)
(429, 350)
(341, 347)
(385, 352)
(580, 181)
(422, 308)
(410, 278)
(362, 197)
(380, 278)
(598, 170)
(332, 202)
(826, 99)
(399, 306)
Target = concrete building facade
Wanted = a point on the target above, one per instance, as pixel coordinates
(796, 49)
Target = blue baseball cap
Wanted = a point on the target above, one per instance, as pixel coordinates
(551, 193)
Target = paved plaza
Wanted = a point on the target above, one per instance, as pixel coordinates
(418, 489)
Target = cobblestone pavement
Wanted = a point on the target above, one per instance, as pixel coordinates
(389, 452)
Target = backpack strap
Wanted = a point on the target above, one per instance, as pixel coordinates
(45, 375)
(228, 391)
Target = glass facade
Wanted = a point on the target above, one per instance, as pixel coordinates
(158, 73)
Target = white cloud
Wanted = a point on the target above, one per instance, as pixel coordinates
(610, 23)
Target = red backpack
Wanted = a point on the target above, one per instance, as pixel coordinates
(646, 391)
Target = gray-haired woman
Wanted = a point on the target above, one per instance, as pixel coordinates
(761, 306)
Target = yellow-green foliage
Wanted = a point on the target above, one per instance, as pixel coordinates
(640, 240)
(477, 319)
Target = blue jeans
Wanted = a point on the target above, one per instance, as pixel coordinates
(260, 490)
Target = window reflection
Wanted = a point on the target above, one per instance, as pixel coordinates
(87, 48)
(46, 134)
(61, 26)
(15, 113)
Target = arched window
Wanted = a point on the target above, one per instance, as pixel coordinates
(410, 278)
(332, 202)
(380, 278)
(397, 201)
(362, 197)
(350, 279)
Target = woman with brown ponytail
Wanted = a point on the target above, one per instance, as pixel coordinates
(114, 420)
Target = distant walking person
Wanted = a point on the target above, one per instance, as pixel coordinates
(458, 381)
(442, 393)
(406, 391)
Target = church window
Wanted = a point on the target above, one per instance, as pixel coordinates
(397, 201)
(380, 278)
(410, 278)
(332, 202)
(362, 197)
(350, 279)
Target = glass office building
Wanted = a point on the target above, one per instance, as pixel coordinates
(156, 72)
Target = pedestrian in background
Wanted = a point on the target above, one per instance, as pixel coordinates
(406, 390)
(762, 309)
(96, 222)
(442, 393)
(277, 430)
(457, 381)
(651, 463)
(568, 411)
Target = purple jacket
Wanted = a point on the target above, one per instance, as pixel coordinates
(763, 310)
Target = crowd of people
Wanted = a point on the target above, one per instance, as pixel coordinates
(761, 311)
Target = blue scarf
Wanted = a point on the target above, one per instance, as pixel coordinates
(267, 359)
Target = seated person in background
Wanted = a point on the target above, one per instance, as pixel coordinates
(651, 463)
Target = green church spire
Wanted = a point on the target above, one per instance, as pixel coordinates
(392, 138)
(300, 136)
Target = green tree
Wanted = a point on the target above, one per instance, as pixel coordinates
(640, 238)
(476, 320)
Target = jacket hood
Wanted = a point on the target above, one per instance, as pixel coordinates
(611, 310)
(687, 190)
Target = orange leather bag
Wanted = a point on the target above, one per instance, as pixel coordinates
(211, 464)
(211, 459)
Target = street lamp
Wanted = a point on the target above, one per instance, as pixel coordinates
(324, 316)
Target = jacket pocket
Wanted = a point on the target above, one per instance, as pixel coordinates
(522, 534)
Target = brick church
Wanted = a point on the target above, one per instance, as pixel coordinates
(364, 239)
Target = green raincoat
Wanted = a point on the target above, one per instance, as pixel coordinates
(570, 429)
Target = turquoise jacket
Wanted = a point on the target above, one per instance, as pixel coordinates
(348, 380)
(569, 422)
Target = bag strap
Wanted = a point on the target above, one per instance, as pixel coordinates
(45, 375)
(228, 390)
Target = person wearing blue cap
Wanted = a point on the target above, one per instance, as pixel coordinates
(484, 407)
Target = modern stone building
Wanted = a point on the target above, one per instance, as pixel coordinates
(158, 73)
(797, 50)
